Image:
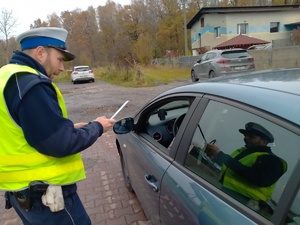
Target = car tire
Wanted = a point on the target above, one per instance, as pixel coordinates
(125, 173)
(211, 74)
(193, 76)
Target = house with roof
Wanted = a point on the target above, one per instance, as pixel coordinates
(212, 26)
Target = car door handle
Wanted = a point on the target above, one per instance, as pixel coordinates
(152, 182)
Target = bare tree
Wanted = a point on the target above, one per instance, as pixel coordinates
(7, 23)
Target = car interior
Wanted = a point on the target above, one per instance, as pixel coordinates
(163, 122)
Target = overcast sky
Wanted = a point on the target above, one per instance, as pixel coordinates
(26, 11)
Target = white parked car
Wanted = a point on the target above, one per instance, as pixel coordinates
(261, 47)
(82, 74)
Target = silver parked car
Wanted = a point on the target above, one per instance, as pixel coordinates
(82, 74)
(217, 63)
(164, 157)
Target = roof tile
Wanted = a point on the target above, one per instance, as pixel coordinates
(240, 41)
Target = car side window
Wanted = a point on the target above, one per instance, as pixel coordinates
(293, 217)
(204, 57)
(210, 56)
(163, 120)
(244, 155)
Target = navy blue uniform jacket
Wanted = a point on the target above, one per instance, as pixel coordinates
(33, 105)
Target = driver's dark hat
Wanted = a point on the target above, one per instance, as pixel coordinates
(52, 37)
(254, 128)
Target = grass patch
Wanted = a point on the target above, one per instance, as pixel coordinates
(127, 77)
(63, 77)
(138, 76)
(166, 74)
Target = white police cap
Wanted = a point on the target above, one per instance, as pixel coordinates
(52, 37)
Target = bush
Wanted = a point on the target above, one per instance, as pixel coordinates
(127, 77)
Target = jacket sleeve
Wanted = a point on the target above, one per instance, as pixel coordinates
(40, 117)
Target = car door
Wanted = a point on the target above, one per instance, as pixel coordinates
(198, 67)
(207, 65)
(191, 192)
(148, 153)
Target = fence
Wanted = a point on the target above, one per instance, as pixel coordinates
(279, 57)
(181, 61)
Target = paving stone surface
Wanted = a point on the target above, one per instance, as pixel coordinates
(103, 192)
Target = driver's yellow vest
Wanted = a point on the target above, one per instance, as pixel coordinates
(19, 162)
(236, 183)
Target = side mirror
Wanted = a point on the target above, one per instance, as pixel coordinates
(199, 60)
(123, 126)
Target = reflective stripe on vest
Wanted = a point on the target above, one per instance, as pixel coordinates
(236, 183)
(19, 162)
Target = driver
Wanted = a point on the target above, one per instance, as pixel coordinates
(252, 170)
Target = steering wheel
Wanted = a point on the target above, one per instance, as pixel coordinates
(177, 124)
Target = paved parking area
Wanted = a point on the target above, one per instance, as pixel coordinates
(103, 192)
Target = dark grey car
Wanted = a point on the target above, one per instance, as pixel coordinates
(217, 63)
(162, 149)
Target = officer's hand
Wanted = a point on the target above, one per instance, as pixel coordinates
(106, 123)
(211, 150)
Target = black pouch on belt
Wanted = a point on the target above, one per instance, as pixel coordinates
(24, 197)
(23, 200)
(38, 187)
(7, 201)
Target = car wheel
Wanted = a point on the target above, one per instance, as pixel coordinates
(211, 74)
(193, 76)
(125, 173)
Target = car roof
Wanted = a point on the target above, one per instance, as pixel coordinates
(276, 91)
(80, 66)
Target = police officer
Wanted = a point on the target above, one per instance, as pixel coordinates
(252, 170)
(40, 159)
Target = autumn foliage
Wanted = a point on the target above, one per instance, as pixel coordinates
(127, 35)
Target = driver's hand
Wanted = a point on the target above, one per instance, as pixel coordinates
(211, 150)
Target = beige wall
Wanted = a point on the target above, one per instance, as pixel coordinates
(286, 57)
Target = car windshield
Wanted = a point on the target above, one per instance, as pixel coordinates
(235, 54)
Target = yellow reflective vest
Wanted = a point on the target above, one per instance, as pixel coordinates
(19, 162)
(236, 183)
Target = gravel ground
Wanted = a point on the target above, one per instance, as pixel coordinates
(86, 101)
